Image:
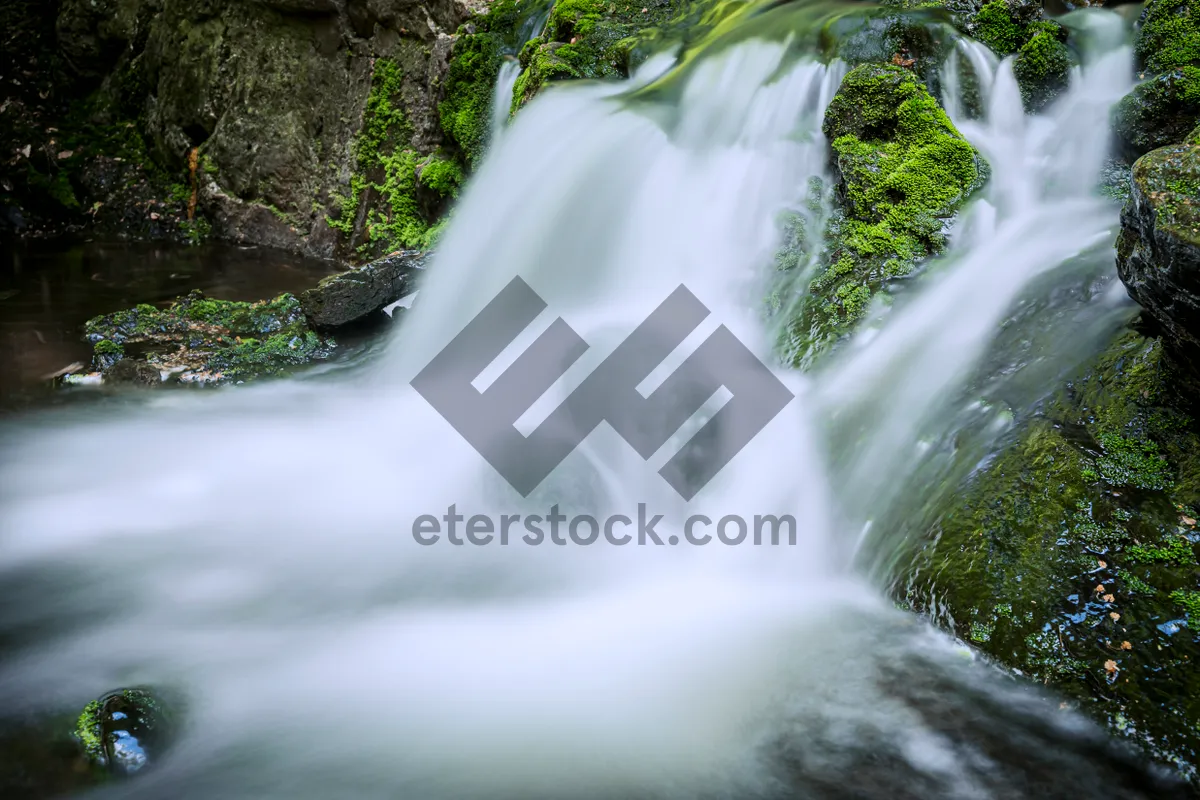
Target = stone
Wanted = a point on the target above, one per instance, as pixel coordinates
(133, 372)
(1158, 112)
(1158, 251)
(358, 293)
(125, 731)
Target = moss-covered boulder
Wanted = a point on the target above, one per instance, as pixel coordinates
(1071, 555)
(903, 171)
(199, 340)
(1162, 110)
(1043, 62)
(1158, 112)
(1168, 35)
(1158, 251)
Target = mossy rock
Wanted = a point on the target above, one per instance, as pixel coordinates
(1159, 112)
(1071, 555)
(903, 171)
(1042, 69)
(589, 39)
(1043, 61)
(1158, 250)
(1169, 35)
(204, 341)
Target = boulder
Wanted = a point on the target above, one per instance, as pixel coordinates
(1158, 112)
(355, 294)
(1158, 251)
(199, 340)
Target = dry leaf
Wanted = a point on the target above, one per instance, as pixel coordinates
(1187, 520)
(1126, 646)
(1102, 563)
(1099, 588)
(1115, 616)
(65, 154)
(153, 215)
(1110, 666)
(1108, 598)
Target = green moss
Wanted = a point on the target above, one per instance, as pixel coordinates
(1176, 550)
(387, 169)
(996, 27)
(87, 731)
(1159, 112)
(442, 175)
(1169, 35)
(1190, 600)
(1129, 462)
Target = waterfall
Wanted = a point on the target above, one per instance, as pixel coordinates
(253, 548)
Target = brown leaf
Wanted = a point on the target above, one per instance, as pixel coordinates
(1108, 598)
(1110, 666)
(1126, 646)
(153, 215)
(1102, 563)
(1187, 520)
(1115, 616)
(1099, 588)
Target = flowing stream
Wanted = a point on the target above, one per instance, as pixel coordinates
(252, 549)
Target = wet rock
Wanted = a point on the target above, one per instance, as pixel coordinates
(206, 341)
(126, 731)
(133, 372)
(1158, 112)
(358, 293)
(1158, 251)
(903, 170)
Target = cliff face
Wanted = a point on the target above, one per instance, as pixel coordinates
(248, 110)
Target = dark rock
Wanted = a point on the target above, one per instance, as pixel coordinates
(1158, 112)
(133, 372)
(353, 295)
(1158, 251)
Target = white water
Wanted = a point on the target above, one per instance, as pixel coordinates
(252, 548)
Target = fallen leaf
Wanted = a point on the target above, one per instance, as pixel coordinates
(1099, 588)
(1108, 598)
(65, 154)
(1110, 666)
(1115, 616)
(1126, 646)
(1187, 520)
(26, 150)
(153, 215)
(644, 10)
(1102, 563)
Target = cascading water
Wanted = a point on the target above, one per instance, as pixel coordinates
(252, 549)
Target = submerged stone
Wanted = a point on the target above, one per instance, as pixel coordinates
(125, 731)
(201, 340)
(358, 293)
(1158, 251)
